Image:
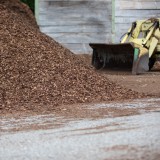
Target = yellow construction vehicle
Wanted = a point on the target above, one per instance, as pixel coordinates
(138, 49)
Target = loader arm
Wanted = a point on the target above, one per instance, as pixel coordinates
(146, 47)
(129, 33)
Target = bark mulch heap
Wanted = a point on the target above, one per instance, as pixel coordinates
(38, 74)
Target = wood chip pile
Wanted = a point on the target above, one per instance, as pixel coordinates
(37, 72)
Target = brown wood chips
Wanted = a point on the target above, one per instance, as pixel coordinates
(37, 73)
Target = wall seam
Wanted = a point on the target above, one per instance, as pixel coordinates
(37, 10)
(113, 21)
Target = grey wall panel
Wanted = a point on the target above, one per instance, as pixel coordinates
(76, 23)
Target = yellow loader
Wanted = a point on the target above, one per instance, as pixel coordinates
(138, 49)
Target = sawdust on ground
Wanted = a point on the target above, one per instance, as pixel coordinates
(37, 74)
(147, 83)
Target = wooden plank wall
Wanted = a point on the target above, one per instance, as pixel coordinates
(76, 23)
(127, 11)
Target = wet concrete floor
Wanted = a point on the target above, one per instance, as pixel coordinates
(58, 137)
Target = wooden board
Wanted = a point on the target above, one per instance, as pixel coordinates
(95, 28)
(81, 37)
(138, 4)
(76, 22)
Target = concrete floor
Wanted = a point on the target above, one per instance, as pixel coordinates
(110, 138)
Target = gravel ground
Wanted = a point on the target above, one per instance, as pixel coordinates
(110, 137)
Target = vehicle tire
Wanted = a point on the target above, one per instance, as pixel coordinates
(151, 63)
(96, 61)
